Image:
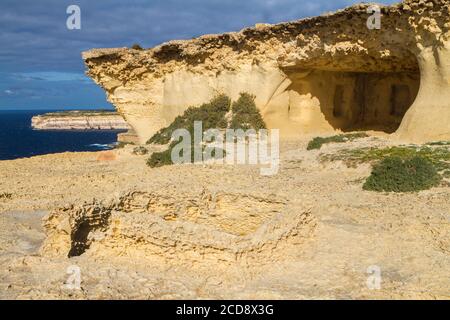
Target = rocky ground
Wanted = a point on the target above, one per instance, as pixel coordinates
(327, 255)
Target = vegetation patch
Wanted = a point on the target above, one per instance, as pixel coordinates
(136, 47)
(439, 143)
(399, 168)
(245, 114)
(318, 142)
(394, 174)
(159, 159)
(140, 151)
(438, 156)
(214, 114)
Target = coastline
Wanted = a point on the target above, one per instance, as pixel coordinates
(18, 139)
(79, 120)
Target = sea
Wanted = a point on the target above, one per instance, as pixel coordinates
(19, 140)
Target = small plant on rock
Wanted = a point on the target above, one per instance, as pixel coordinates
(140, 151)
(317, 142)
(136, 47)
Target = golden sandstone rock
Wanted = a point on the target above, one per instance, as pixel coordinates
(322, 74)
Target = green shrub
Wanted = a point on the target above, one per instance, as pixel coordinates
(136, 47)
(439, 143)
(213, 154)
(140, 151)
(245, 114)
(211, 114)
(317, 142)
(159, 159)
(438, 156)
(393, 174)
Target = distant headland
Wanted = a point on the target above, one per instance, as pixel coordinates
(79, 120)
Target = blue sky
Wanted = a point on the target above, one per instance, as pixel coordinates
(40, 59)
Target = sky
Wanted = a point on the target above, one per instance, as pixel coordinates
(40, 58)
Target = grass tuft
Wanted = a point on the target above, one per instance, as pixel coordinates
(159, 159)
(318, 142)
(439, 143)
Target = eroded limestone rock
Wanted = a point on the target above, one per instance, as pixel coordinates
(312, 75)
(178, 227)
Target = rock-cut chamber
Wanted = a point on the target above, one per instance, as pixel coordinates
(352, 99)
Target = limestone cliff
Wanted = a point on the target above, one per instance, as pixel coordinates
(79, 120)
(313, 75)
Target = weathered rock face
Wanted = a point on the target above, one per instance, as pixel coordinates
(79, 121)
(196, 228)
(309, 76)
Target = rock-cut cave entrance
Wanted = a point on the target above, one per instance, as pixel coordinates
(353, 100)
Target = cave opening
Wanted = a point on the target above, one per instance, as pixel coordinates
(352, 100)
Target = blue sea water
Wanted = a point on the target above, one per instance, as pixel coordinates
(19, 140)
